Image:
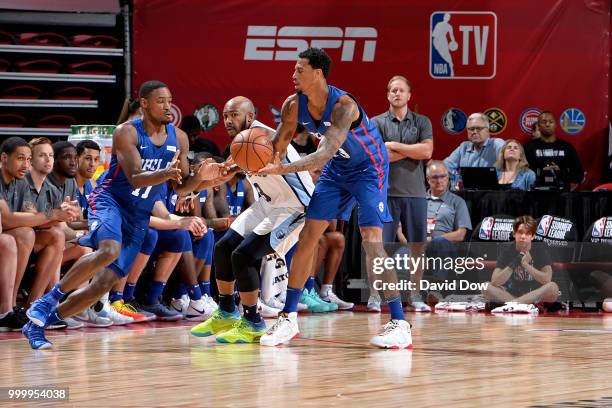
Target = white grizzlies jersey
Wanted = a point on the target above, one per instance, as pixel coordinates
(290, 190)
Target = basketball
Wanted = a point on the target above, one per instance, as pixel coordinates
(252, 149)
(453, 46)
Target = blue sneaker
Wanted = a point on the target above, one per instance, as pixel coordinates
(36, 336)
(40, 311)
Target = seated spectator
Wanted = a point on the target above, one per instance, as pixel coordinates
(554, 161)
(523, 274)
(479, 151)
(20, 217)
(448, 218)
(197, 144)
(512, 168)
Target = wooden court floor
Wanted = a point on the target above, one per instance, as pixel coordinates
(458, 361)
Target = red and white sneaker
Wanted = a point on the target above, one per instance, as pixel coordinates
(285, 329)
(394, 335)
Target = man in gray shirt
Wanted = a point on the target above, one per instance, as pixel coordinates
(31, 229)
(64, 169)
(409, 140)
(42, 195)
(448, 218)
(479, 150)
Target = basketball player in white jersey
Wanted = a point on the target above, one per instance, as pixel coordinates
(272, 224)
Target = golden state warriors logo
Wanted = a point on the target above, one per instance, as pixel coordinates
(572, 121)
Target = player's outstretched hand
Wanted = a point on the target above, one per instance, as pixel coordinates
(173, 171)
(186, 203)
(210, 170)
(194, 224)
(274, 167)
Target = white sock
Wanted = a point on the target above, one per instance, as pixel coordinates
(3, 315)
(325, 289)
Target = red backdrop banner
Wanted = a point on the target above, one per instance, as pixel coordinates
(508, 58)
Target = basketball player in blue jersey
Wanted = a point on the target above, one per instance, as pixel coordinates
(355, 170)
(146, 153)
(271, 225)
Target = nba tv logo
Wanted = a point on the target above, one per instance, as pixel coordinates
(463, 45)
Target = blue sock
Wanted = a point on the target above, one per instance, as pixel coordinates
(292, 300)
(205, 287)
(194, 292)
(155, 292)
(310, 283)
(182, 290)
(128, 292)
(395, 308)
(115, 295)
(55, 294)
(227, 303)
(53, 318)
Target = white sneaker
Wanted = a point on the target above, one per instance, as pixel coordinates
(374, 304)
(73, 324)
(394, 335)
(117, 318)
(275, 303)
(267, 311)
(91, 319)
(515, 307)
(418, 306)
(196, 310)
(607, 305)
(211, 305)
(285, 329)
(331, 297)
(180, 305)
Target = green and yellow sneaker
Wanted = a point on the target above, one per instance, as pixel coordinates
(218, 322)
(243, 332)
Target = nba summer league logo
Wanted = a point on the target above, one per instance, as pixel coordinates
(463, 45)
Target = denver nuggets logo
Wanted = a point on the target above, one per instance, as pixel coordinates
(497, 120)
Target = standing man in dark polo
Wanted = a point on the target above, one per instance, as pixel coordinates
(409, 140)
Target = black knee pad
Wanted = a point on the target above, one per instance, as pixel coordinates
(247, 275)
(223, 255)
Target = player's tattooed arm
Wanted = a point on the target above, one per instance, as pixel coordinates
(125, 142)
(344, 113)
(288, 125)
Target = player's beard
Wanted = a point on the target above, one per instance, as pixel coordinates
(244, 125)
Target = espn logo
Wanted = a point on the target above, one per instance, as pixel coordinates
(266, 43)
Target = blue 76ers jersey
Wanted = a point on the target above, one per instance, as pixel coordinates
(115, 185)
(362, 151)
